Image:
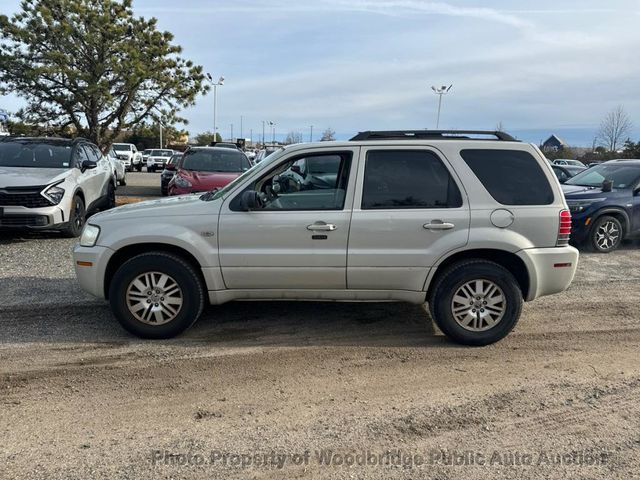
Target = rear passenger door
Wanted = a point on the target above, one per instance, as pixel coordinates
(409, 210)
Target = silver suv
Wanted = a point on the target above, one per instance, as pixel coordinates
(471, 225)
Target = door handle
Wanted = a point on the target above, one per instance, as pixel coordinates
(437, 225)
(321, 227)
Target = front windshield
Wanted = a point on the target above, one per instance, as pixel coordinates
(623, 176)
(34, 155)
(146, 152)
(226, 161)
(121, 147)
(256, 168)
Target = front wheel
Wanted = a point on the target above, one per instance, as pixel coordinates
(139, 167)
(77, 218)
(606, 234)
(111, 196)
(156, 295)
(476, 302)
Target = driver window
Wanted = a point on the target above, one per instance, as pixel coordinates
(317, 182)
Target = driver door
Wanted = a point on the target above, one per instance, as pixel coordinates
(298, 239)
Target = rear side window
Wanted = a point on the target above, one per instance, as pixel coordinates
(399, 179)
(512, 177)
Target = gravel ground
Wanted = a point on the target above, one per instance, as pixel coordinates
(255, 387)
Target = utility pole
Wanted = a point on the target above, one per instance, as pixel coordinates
(440, 91)
(311, 134)
(231, 132)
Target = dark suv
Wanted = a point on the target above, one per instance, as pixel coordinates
(605, 204)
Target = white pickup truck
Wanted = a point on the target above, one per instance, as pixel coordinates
(129, 155)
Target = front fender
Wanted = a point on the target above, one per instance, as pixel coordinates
(199, 238)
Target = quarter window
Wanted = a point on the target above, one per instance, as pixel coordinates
(403, 179)
(512, 177)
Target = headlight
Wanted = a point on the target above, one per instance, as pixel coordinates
(54, 194)
(181, 182)
(89, 235)
(579, 206)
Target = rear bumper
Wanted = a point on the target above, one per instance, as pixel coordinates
(551, 270)
(91, 277)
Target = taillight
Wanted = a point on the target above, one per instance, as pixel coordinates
(564, 230)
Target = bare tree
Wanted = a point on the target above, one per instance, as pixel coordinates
(293, 137)
(328, 135)
(500, 127)
(615, 126)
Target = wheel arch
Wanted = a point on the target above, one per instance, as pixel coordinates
(618, 213)
(508, 260)
(129, 251)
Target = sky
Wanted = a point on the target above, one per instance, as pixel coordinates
(537, 67)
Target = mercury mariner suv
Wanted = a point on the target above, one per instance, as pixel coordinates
(52, 183)
(472, 223)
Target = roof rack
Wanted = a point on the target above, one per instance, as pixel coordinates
(431, 134)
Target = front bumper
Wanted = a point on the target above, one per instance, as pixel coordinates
(580, 226)
(43, 218)
(551, 270)
(91, 265)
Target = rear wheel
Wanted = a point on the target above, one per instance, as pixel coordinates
(77, 218)
(476, 302)
(156, 295)
(606, 234)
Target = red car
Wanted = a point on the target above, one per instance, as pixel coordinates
(202, 169)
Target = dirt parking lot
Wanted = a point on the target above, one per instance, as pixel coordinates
(310, 390)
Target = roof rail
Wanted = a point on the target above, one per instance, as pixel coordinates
(430, 134)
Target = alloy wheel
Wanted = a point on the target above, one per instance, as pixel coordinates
(154, 298)
(478, 305)
(607, 235)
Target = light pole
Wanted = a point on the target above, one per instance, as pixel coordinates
(231, 138)
(241, 126)
(220, 82)
(273, 133)
(311, 133)
(440, 91)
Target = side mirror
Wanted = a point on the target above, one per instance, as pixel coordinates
(250, 200)
(170, 166)
(607, 185)
(87, 165)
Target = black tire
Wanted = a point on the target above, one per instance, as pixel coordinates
(111, 196)
(453, 279)
(602, 241)
(77, 218)
(123, 182)
(139, 167)
(184, 275)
